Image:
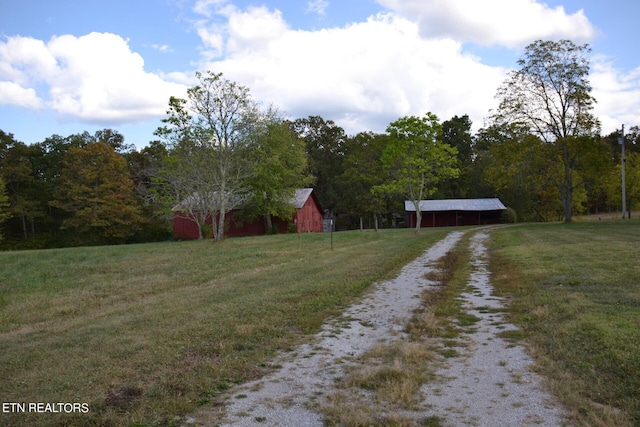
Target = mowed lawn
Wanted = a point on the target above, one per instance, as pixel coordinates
(575, 292)
(144, 334)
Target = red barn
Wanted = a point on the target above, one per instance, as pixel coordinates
(307, 218)
(442, 213)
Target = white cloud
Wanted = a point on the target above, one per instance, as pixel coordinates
(93, 78)
(510, 23)
(162, 48)
(24, 60)
(362, 76)
(13, 94)
(317, 6)
(617, 94)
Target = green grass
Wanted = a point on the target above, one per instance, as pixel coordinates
(146, 333)
(576, 295)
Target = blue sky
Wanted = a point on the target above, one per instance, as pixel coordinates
(67, 66)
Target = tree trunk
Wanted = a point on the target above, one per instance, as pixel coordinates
(567, 191)
(200, 237)
(375, 221)
(361, 227)
(418, 219)
(220, 234)
(268, 223)
(24, 227)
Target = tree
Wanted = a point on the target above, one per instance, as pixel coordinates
(23, 189)
(362, 171)
(456, 132)
(208, 135)
(97, 191)
(4, 205)
(513, 163)
(550, 95)
(279, 160)
(325, 146)
(632, 182)
(417, 159)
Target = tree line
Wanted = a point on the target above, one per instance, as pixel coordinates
(218, 150)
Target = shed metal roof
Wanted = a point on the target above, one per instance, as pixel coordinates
(456, 205)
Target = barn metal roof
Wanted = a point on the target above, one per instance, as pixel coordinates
(456, 205)
(298, 200)
(301, 196)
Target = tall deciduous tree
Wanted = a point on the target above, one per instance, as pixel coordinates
(97, 191)
(325, 146)
(279, 160)
(362, 171)
(23, 189)
(208, 134)
(457, 133)
(417, 159)
(550, 95)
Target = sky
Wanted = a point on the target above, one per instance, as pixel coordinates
(69, 66)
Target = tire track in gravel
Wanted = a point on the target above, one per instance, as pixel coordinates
(491, 382)
(488, 384)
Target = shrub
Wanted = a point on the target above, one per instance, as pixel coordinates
(509, 216)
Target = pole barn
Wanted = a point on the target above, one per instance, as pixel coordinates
(455, 212)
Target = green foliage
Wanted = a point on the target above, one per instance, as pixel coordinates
(4, 205)
(208, 134)
(363, 170)
(456, 132)
(550, 96)
(509, 216)
(416, 159)
(632, 178)
(279, 160)
(95, 189)
(325, 143)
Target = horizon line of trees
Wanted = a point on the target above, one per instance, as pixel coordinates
(542, 154)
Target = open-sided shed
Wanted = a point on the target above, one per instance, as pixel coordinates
(451, 212)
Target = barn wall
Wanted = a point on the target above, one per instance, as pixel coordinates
(309, 218)
(185, 228)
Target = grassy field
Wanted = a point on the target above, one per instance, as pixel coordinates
(576, 295)
(146, 333)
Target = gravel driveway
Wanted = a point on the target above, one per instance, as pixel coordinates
(489, 384)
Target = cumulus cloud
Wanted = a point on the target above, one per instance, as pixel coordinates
(617, 94)
(94, 78)
(363, 76)
(13, 94)
(510, 23)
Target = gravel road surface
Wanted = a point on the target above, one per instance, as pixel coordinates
(489, 383)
